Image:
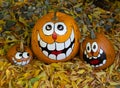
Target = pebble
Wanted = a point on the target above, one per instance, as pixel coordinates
(1, 15)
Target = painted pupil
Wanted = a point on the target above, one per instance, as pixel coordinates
(88, 48)
(60, 27)
(94, 47)
(20, 54)
(27, 54)
(48, 27)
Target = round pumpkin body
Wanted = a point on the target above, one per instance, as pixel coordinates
(15, 56)
(55, 40)
(98, 52)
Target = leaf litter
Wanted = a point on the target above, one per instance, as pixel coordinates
(17, 18)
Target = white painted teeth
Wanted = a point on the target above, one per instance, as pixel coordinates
(51, 46)
(72, 36)
(85, 52)
(95, 57)
(61, 56)
(52, 56)
(101, 51)
(104, 61)
(42, 43)
(22, 63)
(45, 52)
(90, 57)
(67, 43)
(98, 55)
(57, 47)
(68, 52)
(87, 56)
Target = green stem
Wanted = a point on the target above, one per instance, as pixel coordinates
(92, 34)
(55, 13)
(22, 45)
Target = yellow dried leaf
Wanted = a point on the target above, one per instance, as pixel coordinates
(36, 72)
(86, 86)
(62, 76)
(118, 39)
(111, 68)
(8, 74)
(74, 85)
(79, 80)
(90, 17)
(81, 71)
(1, 29)
(97, 12)
(20, 82)
(2, 82)
(27, 75)
(2, 22)
(55, 65)
(10, 84)
(22, 20)
(42, 76)
(84, 28)
(114, 83)
(36, 84)
(99, 74)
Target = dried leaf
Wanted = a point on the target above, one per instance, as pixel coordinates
(20, 16)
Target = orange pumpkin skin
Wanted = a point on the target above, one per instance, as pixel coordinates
(15, 56)
(55, 40)
(98, 52)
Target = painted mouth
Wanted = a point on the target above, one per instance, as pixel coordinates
(98, 61)
(22, 63)
(57, 51)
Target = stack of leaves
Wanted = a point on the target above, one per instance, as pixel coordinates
(17, 18)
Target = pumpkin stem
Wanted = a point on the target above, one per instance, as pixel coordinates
(55, 13)
(57, 9)
(21, 45)
(92, 34)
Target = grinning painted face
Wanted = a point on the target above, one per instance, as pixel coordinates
(57, 50)
(54, 41)
(94, 55)
(17, 57)
(21, 58)
(98, 52)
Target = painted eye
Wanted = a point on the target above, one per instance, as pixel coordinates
(94, 47)
(88, 47)
(60, 28)
(25, 54)
(48, 28)
(18, 55)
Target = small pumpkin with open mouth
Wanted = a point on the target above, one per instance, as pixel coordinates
(19, 54)
(55, 37)
(97, 51)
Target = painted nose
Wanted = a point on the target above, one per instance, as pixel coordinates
(54, 36)
(92, 52)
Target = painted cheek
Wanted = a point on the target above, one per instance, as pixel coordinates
(95, 54)
(90, 54)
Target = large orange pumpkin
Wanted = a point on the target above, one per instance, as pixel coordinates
(97, 52)
(18, 57)
(55, 40)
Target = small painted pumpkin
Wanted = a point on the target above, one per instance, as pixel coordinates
(18, 57)
(97, 52)
(55, 39)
